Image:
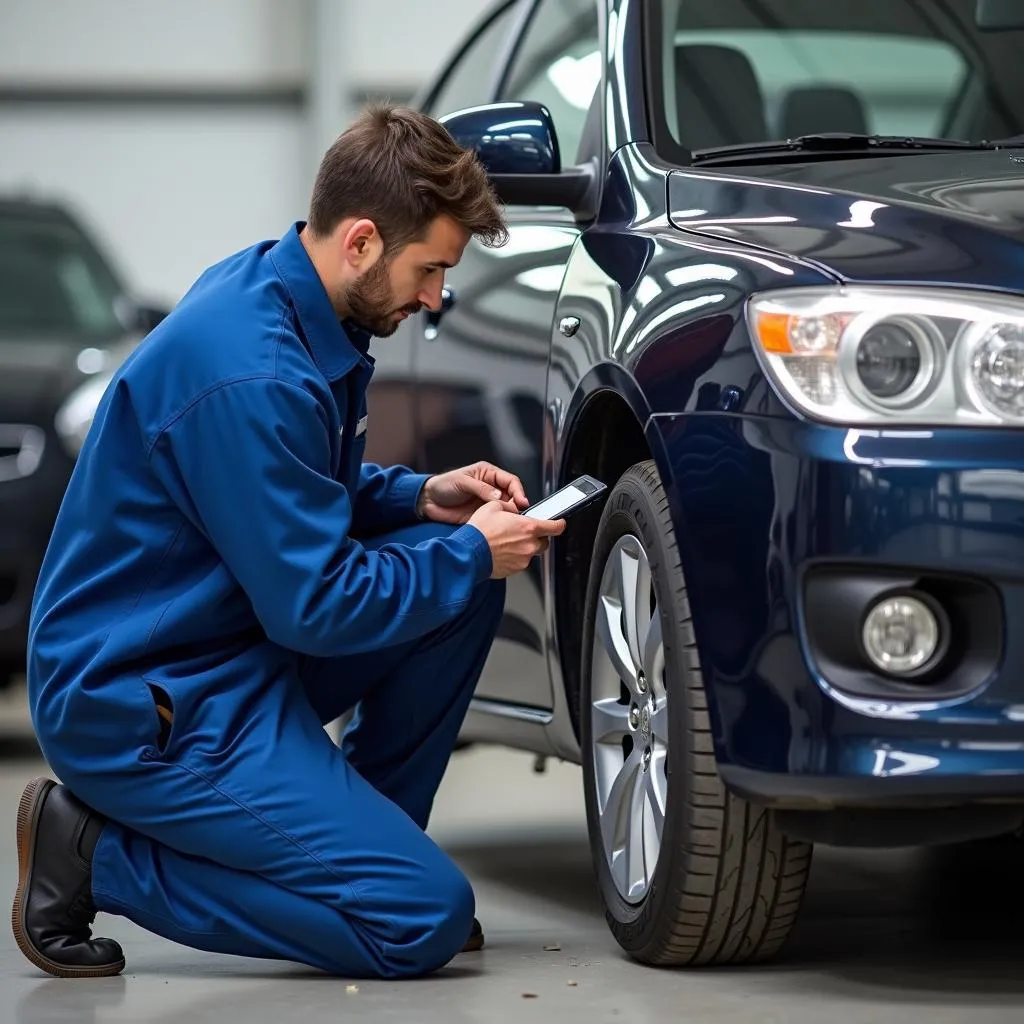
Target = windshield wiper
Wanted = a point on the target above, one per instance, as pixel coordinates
(838, 142)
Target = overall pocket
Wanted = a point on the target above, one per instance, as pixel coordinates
(163, 707)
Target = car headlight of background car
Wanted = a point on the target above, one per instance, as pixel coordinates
(917, 356)
(75, 416)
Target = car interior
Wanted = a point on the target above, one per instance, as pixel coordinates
(747, 73)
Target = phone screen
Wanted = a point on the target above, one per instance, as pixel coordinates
(555, 504)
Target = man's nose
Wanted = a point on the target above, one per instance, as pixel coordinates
(431, 297)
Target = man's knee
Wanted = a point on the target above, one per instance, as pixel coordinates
(424, 930)
(409, 536)
(454, 921)
(493, 599)
(479, 621)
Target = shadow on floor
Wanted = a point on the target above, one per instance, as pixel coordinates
(58, 1001)
(945, 921)
(271, 995)
(950, 922)
(15, 748)
(552, 865)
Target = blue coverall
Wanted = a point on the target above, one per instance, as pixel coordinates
(221, 547)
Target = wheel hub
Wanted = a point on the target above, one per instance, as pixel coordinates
(645, 723)
(629, 717)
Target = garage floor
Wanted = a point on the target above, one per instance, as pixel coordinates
(889, 937)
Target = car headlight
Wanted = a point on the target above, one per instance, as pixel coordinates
(75, 416)
(918, 357)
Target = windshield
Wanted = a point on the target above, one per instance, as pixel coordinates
(53, 283)
(732, 72)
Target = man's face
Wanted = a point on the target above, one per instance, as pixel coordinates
(410, 280)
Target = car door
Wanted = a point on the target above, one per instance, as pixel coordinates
(391, 400)
(481, 367)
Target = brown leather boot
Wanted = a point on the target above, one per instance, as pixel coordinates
(476, 938)
(53, 906)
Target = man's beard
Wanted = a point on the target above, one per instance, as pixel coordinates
(369, 301)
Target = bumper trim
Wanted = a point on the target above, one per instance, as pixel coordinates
(26, 444)
(826, 792)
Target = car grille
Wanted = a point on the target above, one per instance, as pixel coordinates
(21, 450)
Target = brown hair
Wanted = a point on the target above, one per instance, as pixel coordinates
(402, 170)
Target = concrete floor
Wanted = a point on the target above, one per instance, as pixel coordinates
(884, 937)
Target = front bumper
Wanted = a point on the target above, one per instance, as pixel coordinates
(760, 503)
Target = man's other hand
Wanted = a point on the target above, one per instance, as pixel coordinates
(514, 540)
(454, 496)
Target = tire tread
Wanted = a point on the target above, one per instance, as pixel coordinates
(736, 883)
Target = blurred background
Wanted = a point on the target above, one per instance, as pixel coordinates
(140, 142)
(182, 130)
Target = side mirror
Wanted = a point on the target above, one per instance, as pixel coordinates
(518, 146)
(999, 15)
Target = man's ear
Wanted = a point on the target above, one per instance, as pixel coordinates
(361, 244)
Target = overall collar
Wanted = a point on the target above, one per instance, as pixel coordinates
(335, 348)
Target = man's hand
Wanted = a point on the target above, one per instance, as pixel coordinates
(514, 540)
(453, 497)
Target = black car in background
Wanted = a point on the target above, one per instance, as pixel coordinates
(65, 324)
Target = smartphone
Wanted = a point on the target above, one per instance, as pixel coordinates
(567, 500)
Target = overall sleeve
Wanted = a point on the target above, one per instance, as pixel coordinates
(253, 460)
(387, 497)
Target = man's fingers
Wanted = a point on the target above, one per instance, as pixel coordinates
(480, 488)
(509, 483)
(518, 492)
(548, 527)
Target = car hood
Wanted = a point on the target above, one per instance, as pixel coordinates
(952, 218)
(37, 374)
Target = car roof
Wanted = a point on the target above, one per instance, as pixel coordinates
(37, 209)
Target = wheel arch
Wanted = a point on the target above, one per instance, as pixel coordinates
(607, 428)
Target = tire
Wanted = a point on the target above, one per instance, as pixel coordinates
(726, 886)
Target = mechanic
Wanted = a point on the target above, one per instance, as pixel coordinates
(226, 577)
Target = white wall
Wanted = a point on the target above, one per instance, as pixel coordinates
(152, 41)
(228, 41)
(169, 190)
(403, 41)
(172, 187)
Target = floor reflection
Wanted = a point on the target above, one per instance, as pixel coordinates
(943, 920)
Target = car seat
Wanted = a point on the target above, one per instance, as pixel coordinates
(812, 109)
(719, 101)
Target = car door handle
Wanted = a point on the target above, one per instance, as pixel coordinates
(434, 315)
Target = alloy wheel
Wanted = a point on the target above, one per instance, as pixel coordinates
(629, 719)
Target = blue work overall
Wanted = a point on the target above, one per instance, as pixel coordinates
(222, 550)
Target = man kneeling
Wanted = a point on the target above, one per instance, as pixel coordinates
(226, 576)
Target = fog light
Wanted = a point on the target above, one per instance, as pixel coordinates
(901, 634)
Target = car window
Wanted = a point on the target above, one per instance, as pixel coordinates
(53, 282)
(558, 63)
(736, 72)
(815, 82)
(468, 81)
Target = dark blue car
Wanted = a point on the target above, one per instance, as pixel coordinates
(765, 279)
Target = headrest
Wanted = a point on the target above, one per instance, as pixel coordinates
(809, 110)
(719, 99)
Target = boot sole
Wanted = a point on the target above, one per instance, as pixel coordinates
(29, 809)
